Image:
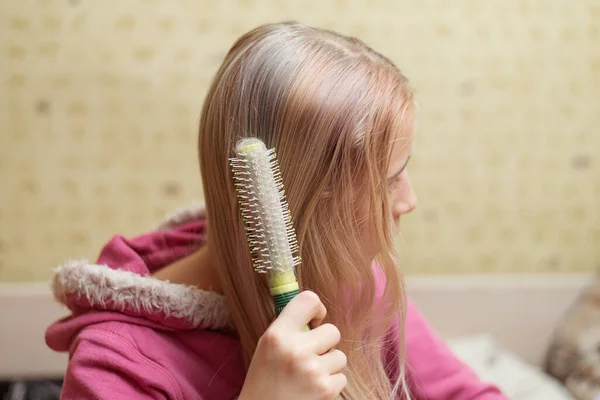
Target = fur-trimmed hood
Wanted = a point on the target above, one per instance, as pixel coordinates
(120, 285)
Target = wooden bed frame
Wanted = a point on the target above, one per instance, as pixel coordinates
(520, 311)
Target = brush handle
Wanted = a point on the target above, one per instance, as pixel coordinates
(282, 299)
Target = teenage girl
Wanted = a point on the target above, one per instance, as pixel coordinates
(179, 313)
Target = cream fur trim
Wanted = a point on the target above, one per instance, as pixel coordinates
(182, 215)
(100, 284)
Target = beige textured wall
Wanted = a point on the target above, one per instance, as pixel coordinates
(99, 103)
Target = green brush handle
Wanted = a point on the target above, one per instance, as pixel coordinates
(281, 300)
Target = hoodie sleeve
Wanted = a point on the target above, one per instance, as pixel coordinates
(434, 372)
(104, 365)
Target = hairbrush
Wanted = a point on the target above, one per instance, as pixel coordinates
(267, 220)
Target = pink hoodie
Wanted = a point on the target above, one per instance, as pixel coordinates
(131, 336)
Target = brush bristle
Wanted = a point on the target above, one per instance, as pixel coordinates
(261, 199)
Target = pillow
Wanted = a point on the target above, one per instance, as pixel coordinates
(517, 379)
(574, 353)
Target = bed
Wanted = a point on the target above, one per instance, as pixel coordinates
(509, 317)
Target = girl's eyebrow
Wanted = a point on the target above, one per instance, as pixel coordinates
(401, 169)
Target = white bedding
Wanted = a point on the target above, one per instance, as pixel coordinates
(517, 379)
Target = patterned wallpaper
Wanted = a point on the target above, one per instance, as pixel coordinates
(99, 103)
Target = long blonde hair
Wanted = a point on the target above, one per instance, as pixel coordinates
(331, 107)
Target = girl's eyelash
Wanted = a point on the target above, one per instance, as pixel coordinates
(395, 181)
(392, 183)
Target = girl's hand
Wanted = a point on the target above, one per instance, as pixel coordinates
(293, 364)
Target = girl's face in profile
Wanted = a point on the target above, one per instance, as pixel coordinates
(401, 194)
